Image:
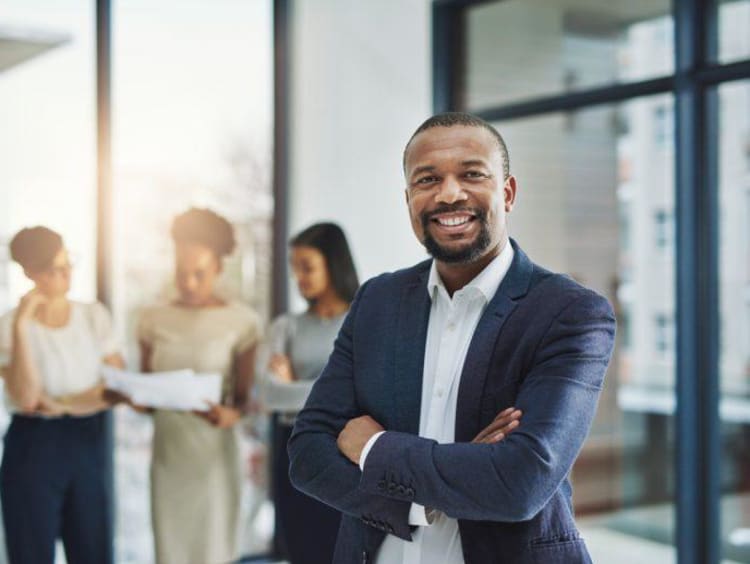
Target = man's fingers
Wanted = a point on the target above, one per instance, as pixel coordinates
(504, 413)
(496, 438)
(506, 421)
(510, 426)
(503, 419)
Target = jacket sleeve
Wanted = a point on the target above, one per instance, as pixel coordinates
(514, 479)
(317, 468)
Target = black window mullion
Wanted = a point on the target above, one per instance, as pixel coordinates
(104, 212)
(282, 54)
(577, 100)
(448, 25)
(697, 390)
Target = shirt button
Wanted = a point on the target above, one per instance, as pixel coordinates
(451, 326)
(439, 392)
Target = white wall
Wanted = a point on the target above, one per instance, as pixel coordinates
(361, 84)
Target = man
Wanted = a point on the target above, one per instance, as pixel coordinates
(410, 431)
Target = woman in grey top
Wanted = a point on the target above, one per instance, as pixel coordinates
(296, 350)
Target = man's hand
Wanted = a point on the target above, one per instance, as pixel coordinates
(355, 435)
(500, 427)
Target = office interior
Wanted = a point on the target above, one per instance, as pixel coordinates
(628, 127)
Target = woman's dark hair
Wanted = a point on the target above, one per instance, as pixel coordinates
(34, 248)
(204, 227)
(329, 239)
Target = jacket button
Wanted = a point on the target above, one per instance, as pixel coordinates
(381, 485)
(410, 492)
(402, 490)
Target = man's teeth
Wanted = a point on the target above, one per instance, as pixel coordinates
(452, 221)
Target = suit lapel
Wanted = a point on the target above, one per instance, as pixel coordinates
(411, 340)
(477, 365)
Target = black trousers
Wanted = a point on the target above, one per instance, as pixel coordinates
(54, 483)
(306, 529)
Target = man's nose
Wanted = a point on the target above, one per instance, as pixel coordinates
(450, 191)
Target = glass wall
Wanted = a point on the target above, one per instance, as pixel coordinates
(734, 288)
(734, 30)
(47, 136)
(601, 181)
(520, 49)
(531, 62)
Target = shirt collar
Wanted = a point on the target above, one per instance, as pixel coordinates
(486, 282)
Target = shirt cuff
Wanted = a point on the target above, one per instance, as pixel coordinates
(366, 449)
(420, 516)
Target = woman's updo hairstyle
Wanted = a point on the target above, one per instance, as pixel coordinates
(35, 248)
(204, 227)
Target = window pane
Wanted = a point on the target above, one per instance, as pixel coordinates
(734, 287)
(601, 183)
(47, 134)
(192, 127)
(520, 49)
(734, 30)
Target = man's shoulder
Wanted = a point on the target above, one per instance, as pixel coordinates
(389, 281)
(559, 291)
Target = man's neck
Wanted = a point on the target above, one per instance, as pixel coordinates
(456, 276)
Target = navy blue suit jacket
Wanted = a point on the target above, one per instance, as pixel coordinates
(542, 345)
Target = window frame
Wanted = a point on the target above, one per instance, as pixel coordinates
(693, 84)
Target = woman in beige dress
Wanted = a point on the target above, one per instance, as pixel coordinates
(196, 469)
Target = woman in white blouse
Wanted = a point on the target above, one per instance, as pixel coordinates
(53, 478)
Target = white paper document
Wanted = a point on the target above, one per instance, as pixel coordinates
(178, 389)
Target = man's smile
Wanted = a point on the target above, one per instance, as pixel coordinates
(452, 223)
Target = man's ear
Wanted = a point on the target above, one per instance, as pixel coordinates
(509, 193)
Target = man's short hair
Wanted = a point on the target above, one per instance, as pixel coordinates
(449, 119)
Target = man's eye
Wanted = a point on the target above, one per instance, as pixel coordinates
(475, 174)
(426, 180)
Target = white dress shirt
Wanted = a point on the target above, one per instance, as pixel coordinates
(451, 326)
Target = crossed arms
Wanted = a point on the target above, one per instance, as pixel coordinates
(508, 480)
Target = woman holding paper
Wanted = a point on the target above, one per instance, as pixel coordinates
(294, 354)
(196, 469)
(53, 479)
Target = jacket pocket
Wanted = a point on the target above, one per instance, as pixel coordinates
(560, 549)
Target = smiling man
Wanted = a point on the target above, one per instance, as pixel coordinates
(460, 390)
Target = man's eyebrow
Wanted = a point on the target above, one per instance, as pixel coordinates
(421, 169)
(475, 162)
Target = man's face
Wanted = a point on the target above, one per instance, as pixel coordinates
(456, 194)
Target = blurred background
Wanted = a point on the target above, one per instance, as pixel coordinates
(628, 127)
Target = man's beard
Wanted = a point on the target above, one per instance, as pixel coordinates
(464, 254)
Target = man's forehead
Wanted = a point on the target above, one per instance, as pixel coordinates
(458, 138)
